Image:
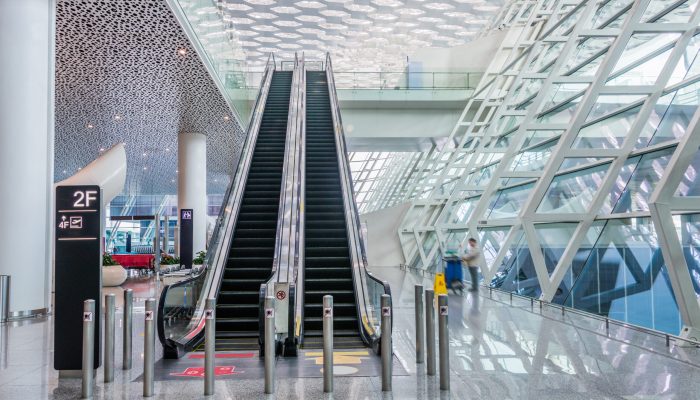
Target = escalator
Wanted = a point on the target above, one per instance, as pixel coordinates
(252, 249)
(243, 244)
(327, 260)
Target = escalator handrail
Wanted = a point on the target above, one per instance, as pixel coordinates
(352, 217)
(219, 245)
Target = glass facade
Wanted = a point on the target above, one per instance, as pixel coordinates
(576, 154)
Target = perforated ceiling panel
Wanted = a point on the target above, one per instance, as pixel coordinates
(360, 34)
(125, 72)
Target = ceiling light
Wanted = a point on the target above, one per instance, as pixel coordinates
(182, 51)
(102, 149)
(145, 168)
(167, 149)
(226, 118)
(117, 117)
(89, 126)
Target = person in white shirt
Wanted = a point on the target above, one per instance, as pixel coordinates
(471, 260)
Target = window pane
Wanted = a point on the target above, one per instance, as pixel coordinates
(625, 278)
(608, 133)
(491, 240)
(643, 181)
(573, 192)
(507, 203)
(677, 115)
(517, 271)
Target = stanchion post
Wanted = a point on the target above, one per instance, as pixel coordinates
(430, 330)
(209, 346)
(88, 383)
(444, 343)
(420, 324)
(149, 344)
(269, 345)
(109, 337)
(127, 328)
(328, 344)
(386, 344)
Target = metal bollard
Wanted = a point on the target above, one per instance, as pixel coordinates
(430, 330)
(4, 298)
(209, 346)
(269, 345)
(387, 347)
(420, 325)
(109, 337)
(127, 328)
(149, 344)
(328, 344)
(444, 338)
(88, 384)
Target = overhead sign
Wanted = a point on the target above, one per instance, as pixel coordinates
(186, 237)
(78, 277)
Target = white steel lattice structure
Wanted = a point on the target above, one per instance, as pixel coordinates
(576, 162)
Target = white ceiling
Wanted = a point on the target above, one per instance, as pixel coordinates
(125, 72)
(361, 35)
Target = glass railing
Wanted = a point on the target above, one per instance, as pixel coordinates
(368, 289)
(393, 80)
(181, 306)
(407, 80)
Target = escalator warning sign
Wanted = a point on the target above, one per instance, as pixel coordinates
(328, 312)
(386, 311)
(149, 315)
(269, 313)
(87, 316)
(209, 314)
(443, 310)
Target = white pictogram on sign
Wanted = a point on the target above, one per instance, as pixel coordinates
(149, 315)
(87, 316)
(327, 312)
(269, 313)
(187, 215)
(386, 311)
(443, 310)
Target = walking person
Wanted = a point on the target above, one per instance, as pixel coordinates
(471, 260)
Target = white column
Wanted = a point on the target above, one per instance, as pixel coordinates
(26, 151)
(192, 183)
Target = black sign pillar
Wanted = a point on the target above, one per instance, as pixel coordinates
(186, 229)
(78, 274)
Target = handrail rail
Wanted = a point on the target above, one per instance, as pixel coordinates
(570, 310)
(215, 262)
(357, 245)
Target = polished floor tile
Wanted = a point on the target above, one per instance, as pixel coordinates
(498, 350)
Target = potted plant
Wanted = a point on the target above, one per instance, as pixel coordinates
(113, 274)
(199, 260)
(171, 262)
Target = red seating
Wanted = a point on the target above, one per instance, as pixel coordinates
(134, 260)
